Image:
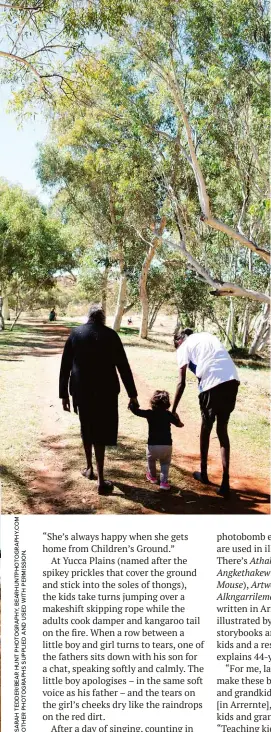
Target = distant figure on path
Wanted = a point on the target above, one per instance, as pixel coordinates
(92, 355)
(52, 315)
(159, 440)
(218, 386)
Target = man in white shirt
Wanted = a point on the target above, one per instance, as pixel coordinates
(218, 382)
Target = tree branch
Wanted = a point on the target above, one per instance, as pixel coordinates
(46, 48)
(23, 61)
(20, 7)
(202, 191)
(128, 307)
(203, 195)
(234, 234)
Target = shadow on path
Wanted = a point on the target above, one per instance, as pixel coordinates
(55, 485)
(36, 340)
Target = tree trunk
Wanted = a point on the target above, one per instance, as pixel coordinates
(2, 322)
(194, 161)
(221, 289)
(19, 312)
(6, 313)
(262, 331)
(121, 302)
(233, 324)
(245, 326)
(143, 332)
(222, 331)
(153, 314)
(128, 307)
(228, 329)
(104, 290)
(265, 340)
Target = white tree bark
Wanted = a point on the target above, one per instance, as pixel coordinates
(228, 329)
(207, 217)
(262, 331)
(143, 332)
(265, 340)
(121, 302)
(220, 226)
(104, 290)
(233, 330)
(123, 280)
(2, 322)
(5, 310)
(245, 326)
(228, 289)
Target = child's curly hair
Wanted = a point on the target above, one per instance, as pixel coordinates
(160, 400)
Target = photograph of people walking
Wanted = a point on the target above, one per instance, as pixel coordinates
(134, 267)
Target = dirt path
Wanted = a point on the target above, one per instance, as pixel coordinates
(247, 487)
(52, 482)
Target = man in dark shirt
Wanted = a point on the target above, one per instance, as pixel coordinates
(92, 355)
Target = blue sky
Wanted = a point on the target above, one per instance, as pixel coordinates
(18, 140)
(18, 147)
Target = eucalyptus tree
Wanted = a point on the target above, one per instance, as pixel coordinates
(205, 66)
(227, 132)
(102, 168)
(196, 51)
(215, 84)
(33, 247)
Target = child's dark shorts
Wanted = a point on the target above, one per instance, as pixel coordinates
(218, 401)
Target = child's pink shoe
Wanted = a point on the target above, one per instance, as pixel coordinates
(165, 486)
(150, 478)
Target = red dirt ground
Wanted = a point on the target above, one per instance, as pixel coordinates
(248, 485)
(53, 483)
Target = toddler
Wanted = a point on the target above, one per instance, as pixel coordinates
(159, 441)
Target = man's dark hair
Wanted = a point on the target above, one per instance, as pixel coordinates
(96, 315)
(178, 333)
(160, 400)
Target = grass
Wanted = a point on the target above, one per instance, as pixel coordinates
(129, 331)
(249, 425)
(35, 431)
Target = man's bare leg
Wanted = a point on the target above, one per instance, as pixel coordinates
(222, 433)
(206, 428)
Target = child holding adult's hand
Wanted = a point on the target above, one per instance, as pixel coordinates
(159, 445)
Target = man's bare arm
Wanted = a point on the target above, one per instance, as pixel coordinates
(180, 387)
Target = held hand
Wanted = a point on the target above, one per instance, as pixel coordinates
(133, 403)
(66, 405)
(179, 423)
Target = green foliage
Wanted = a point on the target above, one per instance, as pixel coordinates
(92, 276)
(173, 285)
(119, 159)
(32, 245)
(103, 173)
